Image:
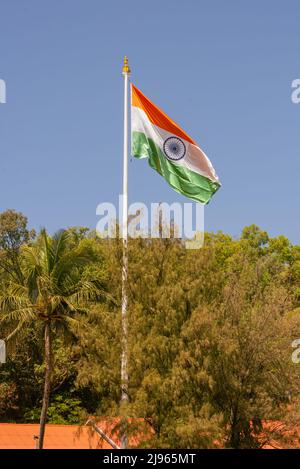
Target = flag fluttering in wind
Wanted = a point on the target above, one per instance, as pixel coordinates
(170, 151)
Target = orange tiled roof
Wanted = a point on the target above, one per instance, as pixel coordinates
(21, 436)
(282, 436)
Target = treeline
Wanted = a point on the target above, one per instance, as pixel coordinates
(210, 334)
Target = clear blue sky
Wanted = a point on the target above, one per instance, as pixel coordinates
(221, 69)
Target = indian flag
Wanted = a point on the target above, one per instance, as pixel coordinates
(170, 151)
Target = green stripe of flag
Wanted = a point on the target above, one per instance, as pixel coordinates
(183, 180)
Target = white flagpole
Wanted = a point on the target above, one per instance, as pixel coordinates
(124, 357)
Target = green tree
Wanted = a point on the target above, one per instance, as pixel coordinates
(55, 291)
(235, 353)
(13, 235)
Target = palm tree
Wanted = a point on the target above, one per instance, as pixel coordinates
(55, 291)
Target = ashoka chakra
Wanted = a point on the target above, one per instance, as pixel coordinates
(174, 148)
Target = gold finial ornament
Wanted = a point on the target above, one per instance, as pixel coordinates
(126, 68)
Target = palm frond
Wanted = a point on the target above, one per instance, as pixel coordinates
(70, 264)
(59, 245)
(73, 325)
(47, 251)
(17, 330)
(25, 314)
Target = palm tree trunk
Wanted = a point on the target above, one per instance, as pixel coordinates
(47, 384)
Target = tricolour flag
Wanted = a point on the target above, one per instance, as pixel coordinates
(171, 152)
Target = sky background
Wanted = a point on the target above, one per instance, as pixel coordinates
(222, 70)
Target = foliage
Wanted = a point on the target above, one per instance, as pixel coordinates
(210, 334)
(64, 409)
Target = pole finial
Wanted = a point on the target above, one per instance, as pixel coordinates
(126, 68)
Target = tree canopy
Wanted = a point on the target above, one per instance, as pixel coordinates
(210, 333)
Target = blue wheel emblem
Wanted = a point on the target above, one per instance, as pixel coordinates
(174, 148)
